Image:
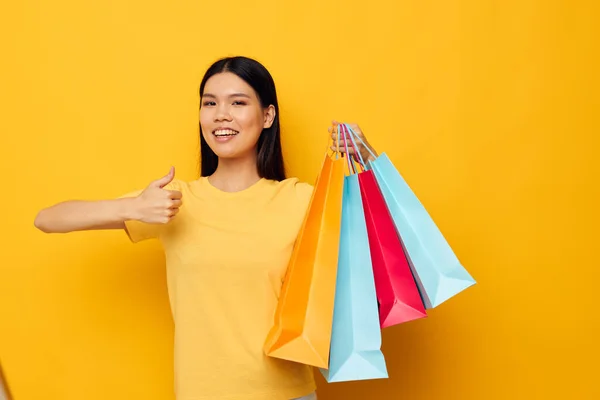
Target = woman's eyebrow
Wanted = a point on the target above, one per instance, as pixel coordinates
(231, 95)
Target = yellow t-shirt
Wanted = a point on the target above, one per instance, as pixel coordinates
(226, 256)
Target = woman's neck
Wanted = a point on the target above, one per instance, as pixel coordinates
(234, 175)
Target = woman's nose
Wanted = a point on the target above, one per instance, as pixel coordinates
(222, 113)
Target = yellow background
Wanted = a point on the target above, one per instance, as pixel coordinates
(486, 107)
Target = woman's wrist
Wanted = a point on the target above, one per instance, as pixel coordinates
(128, 209)
(369, 155)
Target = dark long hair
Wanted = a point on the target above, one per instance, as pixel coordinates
(269, 154)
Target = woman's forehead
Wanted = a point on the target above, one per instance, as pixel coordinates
(227, 84)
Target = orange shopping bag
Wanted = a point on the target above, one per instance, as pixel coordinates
(304, 314)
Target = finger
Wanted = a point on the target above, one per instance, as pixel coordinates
(342, 141)
(341, 144)
(175, 194)
(337, 134)
(169, 212)
(165, 180)
(343, 150)
(176, 204)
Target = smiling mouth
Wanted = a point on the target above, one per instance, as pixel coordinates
(224, 132)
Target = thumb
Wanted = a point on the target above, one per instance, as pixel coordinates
(165, 180)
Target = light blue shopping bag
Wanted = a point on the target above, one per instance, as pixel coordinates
(355, 352)
(437, 271)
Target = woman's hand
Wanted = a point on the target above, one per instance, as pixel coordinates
(157, 205)
(363, 147)
(154, 205)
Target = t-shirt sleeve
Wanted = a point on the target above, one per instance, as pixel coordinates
(138, 230)
(304, 193)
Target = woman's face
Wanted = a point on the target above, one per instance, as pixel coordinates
(232, 117)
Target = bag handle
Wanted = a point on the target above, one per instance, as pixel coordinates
(357, 155)
(353, 133)
(351, 160)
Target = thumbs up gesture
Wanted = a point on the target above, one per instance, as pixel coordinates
(157, 205)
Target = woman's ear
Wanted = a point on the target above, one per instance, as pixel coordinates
(269, 116)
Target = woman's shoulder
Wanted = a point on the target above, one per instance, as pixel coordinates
(294, 187)
(297, 185)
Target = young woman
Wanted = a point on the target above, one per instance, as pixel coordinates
(227, 238)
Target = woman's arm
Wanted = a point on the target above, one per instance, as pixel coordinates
(153, 205)
(77, 215)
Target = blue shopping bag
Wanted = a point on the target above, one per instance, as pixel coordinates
(355, 352)
(436, 269)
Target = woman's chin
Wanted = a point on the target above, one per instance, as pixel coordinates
(229, 149)
(227, 153)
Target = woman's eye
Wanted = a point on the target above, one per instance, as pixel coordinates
(239, 103)
(208, 103)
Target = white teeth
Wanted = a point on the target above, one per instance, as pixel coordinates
(225, 132)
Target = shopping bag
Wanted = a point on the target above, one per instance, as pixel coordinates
(397, 292)
(304, 313)
(437, 271)
(356, 335)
